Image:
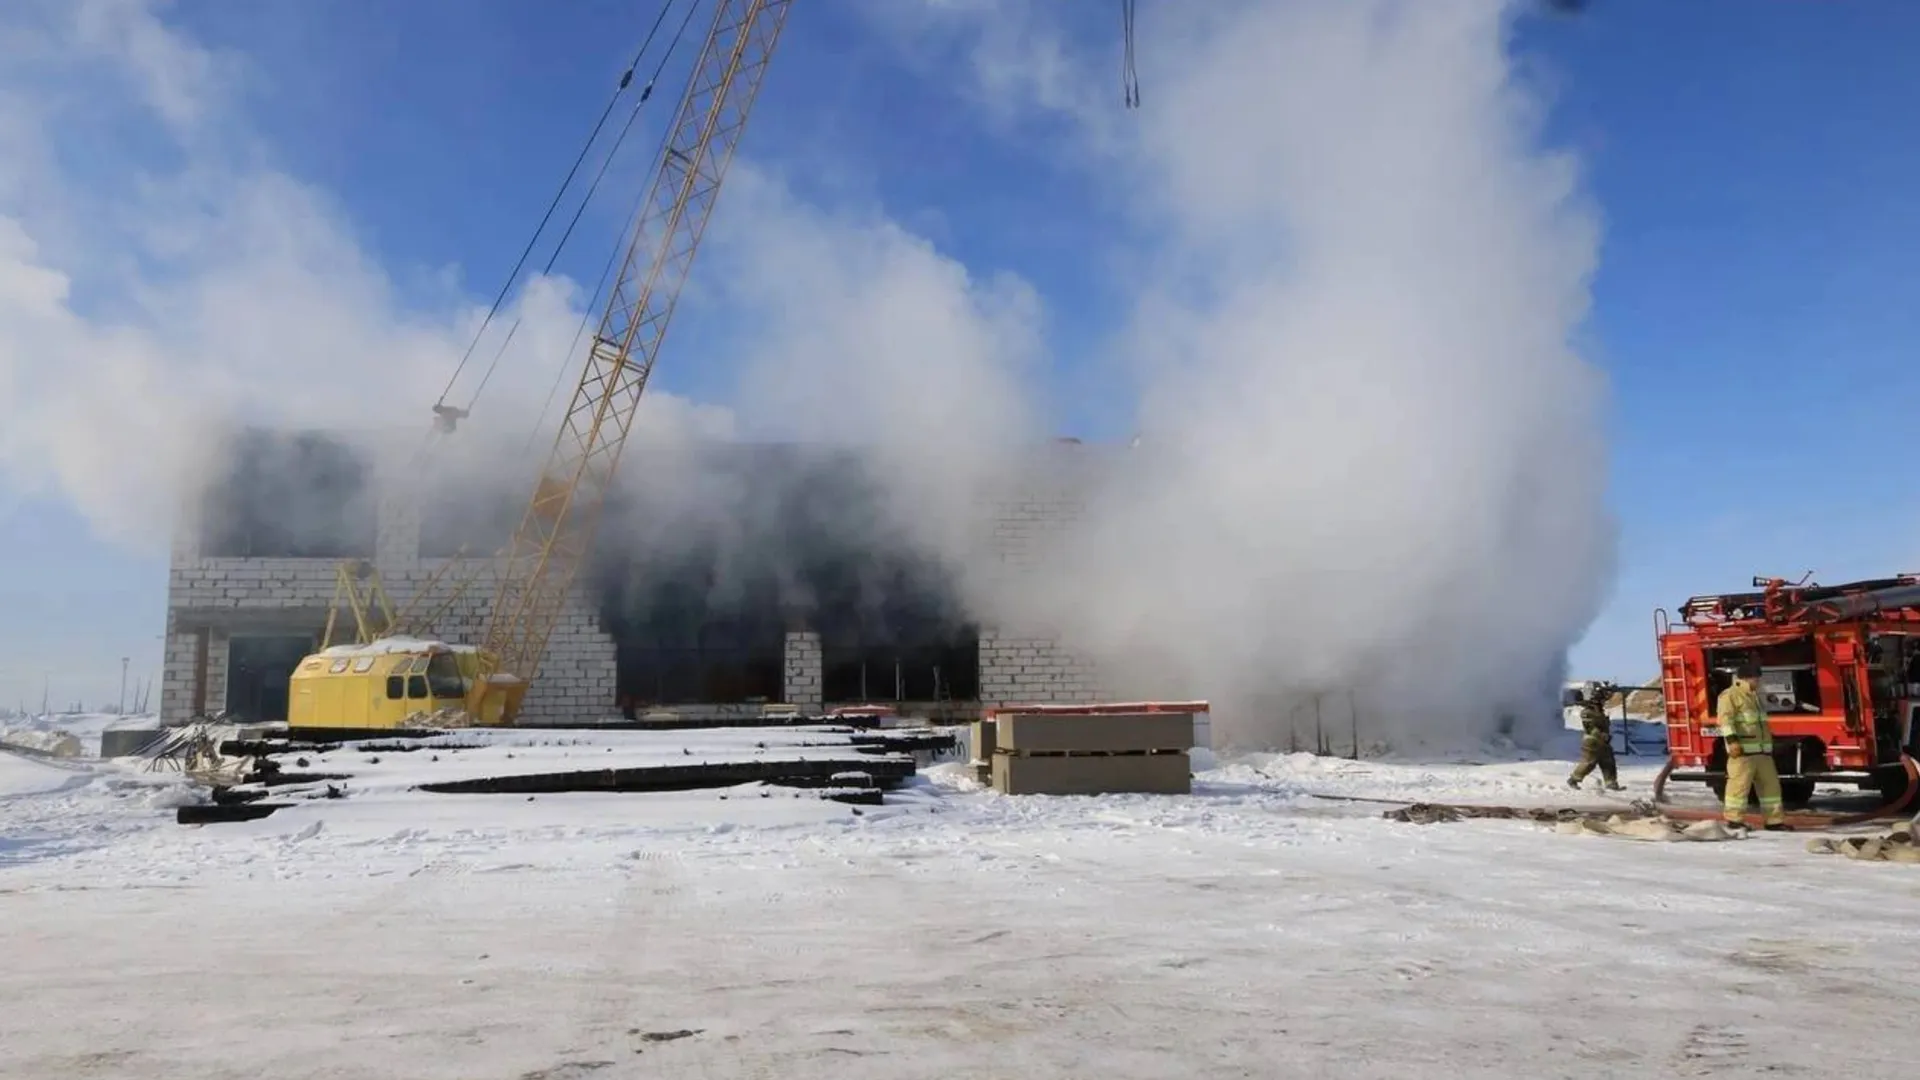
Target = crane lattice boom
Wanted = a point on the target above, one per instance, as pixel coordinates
(556, 533)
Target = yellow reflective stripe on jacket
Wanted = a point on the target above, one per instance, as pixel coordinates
(1743, 718)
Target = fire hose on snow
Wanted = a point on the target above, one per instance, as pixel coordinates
(1799, 820)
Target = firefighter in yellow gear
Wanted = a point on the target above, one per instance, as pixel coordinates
(1749, 742)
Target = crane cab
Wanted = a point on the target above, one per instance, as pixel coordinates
(392, 683)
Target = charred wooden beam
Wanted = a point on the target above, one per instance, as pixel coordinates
(281, 779)
(234, 796)
(327, 737)
(218, 812)
(862, 780)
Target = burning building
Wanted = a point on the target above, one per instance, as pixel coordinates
(763, 574)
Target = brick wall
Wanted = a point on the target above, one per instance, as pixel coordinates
(577, 674)
(177, 658)
(1017, 670)
(274, 596)
(1028, 664)
(291, 596)
(178, 665)
(800, 683)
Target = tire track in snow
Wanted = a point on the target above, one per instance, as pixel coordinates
(1548, 891)
(767, 908)
(645, 910)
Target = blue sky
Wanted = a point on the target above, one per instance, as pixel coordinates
(1751, 310)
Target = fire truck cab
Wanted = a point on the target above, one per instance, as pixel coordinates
(1840, 675)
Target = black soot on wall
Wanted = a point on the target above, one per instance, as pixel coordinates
(289, 495)
(700, 579)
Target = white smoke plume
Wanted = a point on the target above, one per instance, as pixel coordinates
(1371, 467)
(154, 303)
(858, 333)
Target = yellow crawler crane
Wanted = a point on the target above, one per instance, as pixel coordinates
(354, 686)
(358, 589)
(383, 678)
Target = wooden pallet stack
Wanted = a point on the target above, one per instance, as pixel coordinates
(1091, 751)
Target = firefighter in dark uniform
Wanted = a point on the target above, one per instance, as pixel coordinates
(1596, 739)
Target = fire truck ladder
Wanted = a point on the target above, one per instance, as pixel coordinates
(1675, 686)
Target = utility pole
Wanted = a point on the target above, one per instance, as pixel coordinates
(123, 686)
(1353, 716)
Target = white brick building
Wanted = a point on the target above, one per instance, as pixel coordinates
(242, 609)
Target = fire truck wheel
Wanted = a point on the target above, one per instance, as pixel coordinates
(1891, 782)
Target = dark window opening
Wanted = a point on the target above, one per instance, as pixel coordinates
(396, 687)
(891, 632)
(416, 687)
(260, 672)
(651, 675)
(685, 638)
(710, 573)
(444, 678)
(290, 496)
(894, 672)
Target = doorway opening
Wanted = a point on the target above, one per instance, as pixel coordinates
(259, 671)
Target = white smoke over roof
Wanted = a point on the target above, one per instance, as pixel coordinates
(1372, 456)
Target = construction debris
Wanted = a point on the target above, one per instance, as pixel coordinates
(194, 751)
(437, 719)
(1895, 845)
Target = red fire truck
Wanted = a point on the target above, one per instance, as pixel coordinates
(1840, 675)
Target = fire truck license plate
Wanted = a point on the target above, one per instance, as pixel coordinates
(1710, 732)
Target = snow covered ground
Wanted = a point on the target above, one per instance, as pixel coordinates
(1250, 930)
